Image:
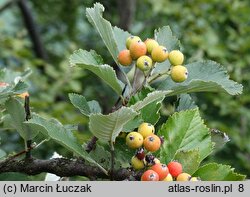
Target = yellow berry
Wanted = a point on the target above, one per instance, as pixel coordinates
(144, 63)
(179, 73)
(146, 129)
(150, 44)
(183, 177)
(134, 140)
(159, 54)
(168, 177)
(176, 57)
(195, 179)
(136, 163)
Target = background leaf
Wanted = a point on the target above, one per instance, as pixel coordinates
(17, 118)
(80, 103)
(204, 76)
(108, 127)
(219, 138)
(218, 172)
(185, 131)
(89, 60)
(61, 135)
(185, 102)
(2, 153)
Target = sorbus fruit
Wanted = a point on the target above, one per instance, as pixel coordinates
(150, 159)
(124, 58)
(168, 177)
(144, 63)
(146, 129)
(179, 73)
(183, 177)
(140, 154)
(161, 170)
(175, 168)
(176, 57)
(150, 175)
(137, 49)
(150, 44)
(194, 179)
(132, 39)
(136, 163)
(159, 54)
(152, 143)
(134, 140)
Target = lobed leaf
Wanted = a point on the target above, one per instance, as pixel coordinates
(204, 76)
(185, 103)
(185, 131)
(218, 172)
(108, 127)
(92, 62)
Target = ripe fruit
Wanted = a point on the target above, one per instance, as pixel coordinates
(176, 57)
(168, 177)
(152, 143)
(150, 159)
(195, 179)
(124, 57)
(137, 49)
(161, 170)
(134, 140)
(179, 73)
(144, 63)
(159, 54)
(175, 168)
(183, 177)
(140, 154)
(150, 44)
(146, 129)
(136, 163)
(132, 39)
(150, 175)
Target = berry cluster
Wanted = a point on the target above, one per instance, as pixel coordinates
(148, 52)
(146, 142)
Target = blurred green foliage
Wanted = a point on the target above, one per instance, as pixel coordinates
(207, 29)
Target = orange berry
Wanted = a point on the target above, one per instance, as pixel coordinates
(150, 175)
(152, 143)
(137, 49)
(175, 168)
(161, 170)
(124, 58)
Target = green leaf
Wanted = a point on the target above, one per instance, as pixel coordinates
(103, 27)
(102, 156)
(120, 38)
(2, 153)
(218, 172)
(17, 115)
(132, 124)
(190, 160)
(91, 61)
(80, 103)
(61, 135)
(204, 76)
(164, 37)
(108, 127)
(94, 107)
(185, 102)
(219, 138)
(185, 131)
(151, 97)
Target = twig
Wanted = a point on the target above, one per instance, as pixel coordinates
(112, 152)
(91, 144)
(27, 117)
(156, 76)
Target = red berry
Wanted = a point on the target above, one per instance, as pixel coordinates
(161, 170)
(175, 168)
(150, 175)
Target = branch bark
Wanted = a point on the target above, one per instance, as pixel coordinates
(61, 167)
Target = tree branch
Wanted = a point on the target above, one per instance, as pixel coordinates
(61, 167)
